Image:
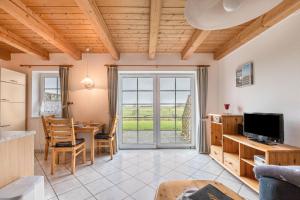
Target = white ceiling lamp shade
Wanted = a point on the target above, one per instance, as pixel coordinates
(87, 81)
(222, 14)
(231, 5)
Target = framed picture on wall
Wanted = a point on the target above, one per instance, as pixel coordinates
(244, 75)
(239, 79)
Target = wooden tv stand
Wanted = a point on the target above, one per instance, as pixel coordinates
(236, 152)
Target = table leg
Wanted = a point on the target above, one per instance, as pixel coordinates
(92, 148)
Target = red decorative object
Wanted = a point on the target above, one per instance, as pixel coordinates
(226, 105)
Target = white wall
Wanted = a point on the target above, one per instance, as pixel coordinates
(93, 104)
(276, 57)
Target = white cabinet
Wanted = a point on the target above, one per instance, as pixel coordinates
(12, 100)
(12, 116)
(13, 77)
(5, 114)
(17, 116)
(12, 92)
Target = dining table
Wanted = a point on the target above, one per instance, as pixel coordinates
(91, 129)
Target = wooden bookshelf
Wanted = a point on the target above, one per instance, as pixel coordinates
(236, 152)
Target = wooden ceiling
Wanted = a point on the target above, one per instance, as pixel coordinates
(41, 27)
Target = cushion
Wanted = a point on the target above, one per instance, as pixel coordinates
(101, 136)
(69, 144)
(271, 188)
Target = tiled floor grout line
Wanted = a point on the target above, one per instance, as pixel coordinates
(146, 184)
(85, 187)
(138, 160)
(103, 176)
(65, 181)
(82, 183)
(45, 175)
(113, 184)
(149, 184)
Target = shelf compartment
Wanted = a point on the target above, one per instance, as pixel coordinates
(247, 153)
(216, 133)
(247, 174)
(230, 146)
(252, 183)
(216, 152)
(232, 162)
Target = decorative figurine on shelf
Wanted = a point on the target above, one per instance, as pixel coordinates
(227, 105)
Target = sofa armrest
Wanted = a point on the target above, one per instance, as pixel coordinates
(290, 174)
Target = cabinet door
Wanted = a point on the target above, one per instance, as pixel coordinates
(12, 116)
(5, 128)
(5, 114)
(12, 76)
(12, 92)
(17, 117)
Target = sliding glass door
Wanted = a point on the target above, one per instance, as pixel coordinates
(137, 107)
(156, 110)
(175, 119)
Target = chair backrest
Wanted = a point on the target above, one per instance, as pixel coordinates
(62, 130)
(46, 127)
(113, 126)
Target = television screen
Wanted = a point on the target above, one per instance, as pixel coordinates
(266, 125)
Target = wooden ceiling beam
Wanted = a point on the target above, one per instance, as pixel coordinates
(155, 12)
(258, 26)
(194, 42)
(4, 55)
(91, 10)
(26, 16)
(16, 41)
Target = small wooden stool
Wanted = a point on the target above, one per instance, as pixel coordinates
(170, 190)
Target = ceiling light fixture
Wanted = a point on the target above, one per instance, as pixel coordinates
(87, 81)
(222, 14)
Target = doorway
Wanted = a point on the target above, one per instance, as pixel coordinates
(156, 110)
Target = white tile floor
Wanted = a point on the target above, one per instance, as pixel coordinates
(133, 174)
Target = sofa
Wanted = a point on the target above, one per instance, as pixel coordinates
(278, 182)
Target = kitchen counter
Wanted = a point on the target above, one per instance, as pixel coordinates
(13, 135)
(16, 155)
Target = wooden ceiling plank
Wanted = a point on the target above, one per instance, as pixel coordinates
(155, 12)
(26, 16)
(5, 55)
(91, 10)
(194, 42)
(16, 41)
(258, 26)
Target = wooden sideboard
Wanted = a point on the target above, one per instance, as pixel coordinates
(236, 152)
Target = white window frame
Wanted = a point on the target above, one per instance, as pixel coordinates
(42, 91)
(156, 112)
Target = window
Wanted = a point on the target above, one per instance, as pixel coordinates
(50, 102)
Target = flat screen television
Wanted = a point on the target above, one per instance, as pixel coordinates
(264, 127)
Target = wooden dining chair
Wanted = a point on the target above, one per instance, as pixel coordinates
(63, 140)
(108, 140)
(46, 127)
